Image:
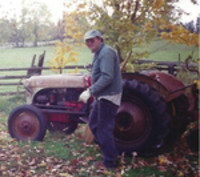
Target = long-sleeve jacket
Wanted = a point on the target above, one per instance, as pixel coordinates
(106, 75)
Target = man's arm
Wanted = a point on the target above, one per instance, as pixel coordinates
(107, 65)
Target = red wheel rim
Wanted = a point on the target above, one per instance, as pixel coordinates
(26, 125)
(132, 121)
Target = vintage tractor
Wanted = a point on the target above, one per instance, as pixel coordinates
(153, 110)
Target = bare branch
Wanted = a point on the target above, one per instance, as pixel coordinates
(135, 11)
(119, 54)
(126, 61)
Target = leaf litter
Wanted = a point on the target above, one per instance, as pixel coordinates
(29, 159)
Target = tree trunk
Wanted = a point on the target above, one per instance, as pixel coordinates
(35, 32)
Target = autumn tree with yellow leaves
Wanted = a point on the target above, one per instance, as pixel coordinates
(64, 56)
(131, 24)
(75, 25)
(179, 35)
(126, 25)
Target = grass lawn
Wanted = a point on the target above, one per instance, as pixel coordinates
(158, 49)
(22, 57)
(162, 50)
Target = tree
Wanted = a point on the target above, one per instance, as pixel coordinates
(24, 24)
(129, 24)
(38, 15)
(60, 30)
(190, 26)
(198, 25)
(74, 25)
(32, 24)
(5, 30)
(17, 34)
(33, 17)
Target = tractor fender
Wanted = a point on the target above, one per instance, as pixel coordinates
(166, 84)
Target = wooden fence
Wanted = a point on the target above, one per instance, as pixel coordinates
(34, 69)
(171, 67)
(16, 80)
(37, 68)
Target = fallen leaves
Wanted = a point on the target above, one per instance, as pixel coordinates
(32, 159)
(65, 174)
(163, 160)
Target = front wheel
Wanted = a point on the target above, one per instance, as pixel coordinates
(141, 123)
(26, 122)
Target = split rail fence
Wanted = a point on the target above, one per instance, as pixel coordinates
(37, 68)
(16, 80)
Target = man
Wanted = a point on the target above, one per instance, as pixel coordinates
(107, 90)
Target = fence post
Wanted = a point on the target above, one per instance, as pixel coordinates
(33, 60)
(40, 62)
(34, 70)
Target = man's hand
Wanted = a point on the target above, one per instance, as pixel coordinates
(84, 96)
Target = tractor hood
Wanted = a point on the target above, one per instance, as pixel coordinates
(37, 83)
(56, 81)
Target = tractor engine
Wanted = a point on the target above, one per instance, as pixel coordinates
(59, 97)
(61, 108)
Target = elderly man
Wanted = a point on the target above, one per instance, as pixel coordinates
(107, 90)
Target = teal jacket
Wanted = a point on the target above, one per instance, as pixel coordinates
(105, 74)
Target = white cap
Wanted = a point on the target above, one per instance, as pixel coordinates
(92, 34)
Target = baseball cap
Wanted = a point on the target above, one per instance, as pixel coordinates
(92, 34)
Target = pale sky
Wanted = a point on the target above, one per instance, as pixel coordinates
(14, 6)
(56, 8)
(193, 10)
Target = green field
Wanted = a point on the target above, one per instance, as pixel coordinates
(22, 57)
(162, 50)
(159, 50)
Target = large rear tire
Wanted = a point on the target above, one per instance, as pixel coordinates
(142, 121)
(26, 122)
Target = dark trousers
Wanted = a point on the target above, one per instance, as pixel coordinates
(101, 122)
